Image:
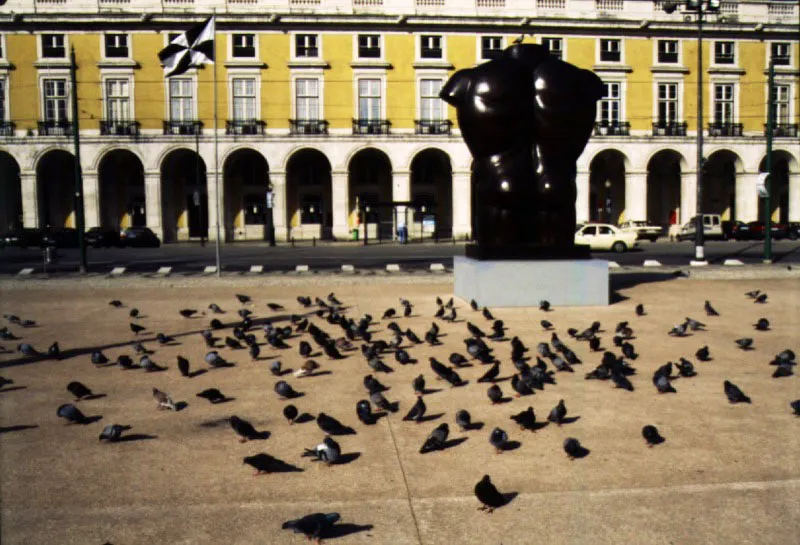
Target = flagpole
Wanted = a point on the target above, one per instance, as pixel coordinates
(216, 148)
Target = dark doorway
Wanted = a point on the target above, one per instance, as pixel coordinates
(55, 180)
(197, 206)
(10, 194)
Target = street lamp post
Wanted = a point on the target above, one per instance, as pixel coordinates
(607, 201)
(269, 219)
(699, 8)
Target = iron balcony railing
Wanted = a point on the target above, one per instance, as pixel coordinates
(245, 127)
(119, 128)
(427, 126)
(308, 126)
(7, 128)
(782, 130)
(672, 128)
(183, 128)
(724, 129)
(371, 126)
(612, 128)
(55, 128)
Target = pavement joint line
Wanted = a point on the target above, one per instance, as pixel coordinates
(405, 482)
(652, 263)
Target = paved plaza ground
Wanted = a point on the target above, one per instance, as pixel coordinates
(726, 473)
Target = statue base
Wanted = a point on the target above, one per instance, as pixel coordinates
(483, 252)
(509, 282)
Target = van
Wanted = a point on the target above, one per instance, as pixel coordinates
(712, 228)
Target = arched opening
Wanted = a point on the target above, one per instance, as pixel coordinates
(122, 199)
(55, 189)
(10, 194)
(664, 188)
(779, 188)
(719, 185)
(309, 206)
(246, 180)
(370, 186)
(607, 187)
(432, 192)
(184, 196)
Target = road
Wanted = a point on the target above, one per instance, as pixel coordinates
(187, 257)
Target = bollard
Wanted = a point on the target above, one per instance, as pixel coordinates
(292, 241)
(313, 241)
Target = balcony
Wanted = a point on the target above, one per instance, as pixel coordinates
(245, 127)
(371, 126)
(55, 128)
(783, 130)
(308, 126)
(7, 128)
(183, 128)
(426, 126)
(673, 128)
(724, 129)
(119, 128)
(612, 128)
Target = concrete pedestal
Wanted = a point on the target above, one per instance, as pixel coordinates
(523, 283)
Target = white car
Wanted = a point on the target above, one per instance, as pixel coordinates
(643, 229)
(603, 236)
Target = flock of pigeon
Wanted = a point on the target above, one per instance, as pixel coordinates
(533, 369)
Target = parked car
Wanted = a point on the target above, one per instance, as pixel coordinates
(603, 236)
(22, 238)
(60, 238)
(102, 237)
(643, 229)
(139, 237)
(793, 230)
(712, 228)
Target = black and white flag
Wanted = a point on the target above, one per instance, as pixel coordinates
(195, 47)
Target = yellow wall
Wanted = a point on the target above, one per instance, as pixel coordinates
(581, 51)
(150, 96)
(752, 86)
(23, 85)
(276, 89)
(401, 102)
(90, 91)
(639, 92)
(339, 107)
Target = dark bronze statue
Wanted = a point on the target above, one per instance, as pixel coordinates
(526, 118)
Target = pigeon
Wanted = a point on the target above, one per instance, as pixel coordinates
(284, 390)
(275, 307)
(163, 339)
(419, 385)
(558, 413)
(116, 303)
(364, 412)
(783, 370)
(762, 298)
(264, 464)
(27, 350)
(388, 313)
(436, 440)
(331, 351)
(417, 411)
(491, 374)
(795, 405)
(328, 451)
(487, 314)
(651, 435)
(307, 368)
(525, 419)
(495, 394)
(546, 325)
(304, 349)
(275, 368)
(544, 305)
(216, 324)
(213, 395)
(136, 328)
(5, 382)
(243, 299)
(187, 312)
(54, 351)
(313, 526)
(457, 359)
(215, 308)
(71, 413)
(112, 433)
(498, 439)
(463, 420)
(290, 413)
(640, 309)
(331, 426)
(709, 309)
(488, 495)
(134, 313)
(521, 387)
(561, 365)
(125, 361)
(702, 354)
(573, 448)
(402, 356)
(98, 358)
(243, 429)
(663, 385)
(215, 360)
(163, 400)
(685, 368)
(254, 351)
(762, 324)
(333, 300)
(78, 390)
(380, 401)
(745, 343)
(734, 394)
(621, 381)
(594, 344)
(679, 330)
(373, 385)
(304, 301)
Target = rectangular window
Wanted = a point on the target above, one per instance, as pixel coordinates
(610, 50)
(53, 46)
(431, 106)
(667, 51)
(305, 46)
(491, 47)
(780, 53)
(181, 103)
(55, 99)
(3, 100)
(780, 97)
(254, 207)
(609, 111)
(369, 46)
(667, 103)
(243, 46)
(244, 99)
(724, 53)
(555, 46)
(117, 100)
(116, 46)
(723, 103)
(307, 99)
(430, 47)
(369, 99)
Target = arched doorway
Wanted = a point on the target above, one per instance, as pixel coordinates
(184, 196)
(370, 185)
(245, 179)
(432, 188)
(779, 187)
(719, 185)
(10, 194)
(55, 189)
(309, 206)
(607, 187)
(122, 200)
(664, 188)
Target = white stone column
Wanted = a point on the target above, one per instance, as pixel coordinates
(278, 180)
(462, 203)
(152, 197)
(340, 205)
(91, 199)
(794, 196)
(636, 196)
(401, 191)
(215, 191)
(582, 200)
(688, 196)
(30, 204)
(746, 197)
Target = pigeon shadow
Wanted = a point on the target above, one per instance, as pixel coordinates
(136, 437)
(180, 405)
(318, 374)
(197, 373)
(3, 390)
(92, 419)
(508, 497)
(343, 430)
(303, 418)
(347, 458)
(539, 425)
(453, 442)
(501, 379)
(746, 348)
(510, 445)
(283, 372)
(222, 365)
(260, 436)
(581, 452)
(225, 399)
(502, 400)
(429, 391)
(346, 529)
(94, 396)
(474, 426)
(570, 419)
(18, 427)
(430, 417)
